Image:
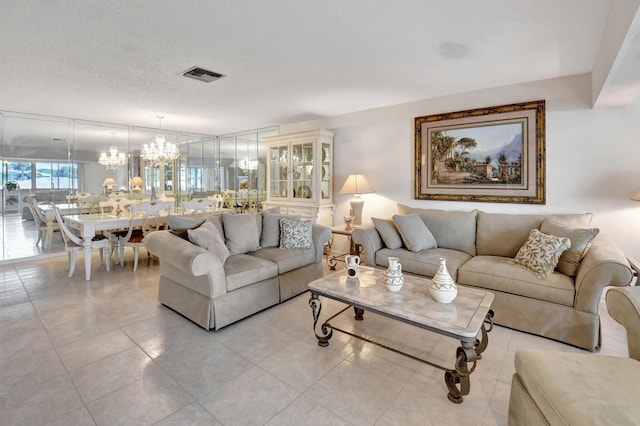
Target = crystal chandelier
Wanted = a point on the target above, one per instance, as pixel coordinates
(160, 151)
(114, 159)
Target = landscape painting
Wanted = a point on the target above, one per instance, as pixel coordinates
(493, 154)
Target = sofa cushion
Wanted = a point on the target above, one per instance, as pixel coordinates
(286, 259)
(241, 233)
(295, 234)
(242, 270)
(426, 262)
(603, 389)
(271, 228)
(580, 242)
(216, 220)
(207, 237)
(452, 229)
(388, 231)
(541, 252)
(503, 234)
(415, 234)
(501, 274)
(178, 225)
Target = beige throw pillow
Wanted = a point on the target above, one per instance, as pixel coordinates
(540, 253)
(388, 231)
(581, 239)
(414, 233)
(241, 233)
(208, 237)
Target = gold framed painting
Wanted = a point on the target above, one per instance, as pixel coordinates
(492, 154)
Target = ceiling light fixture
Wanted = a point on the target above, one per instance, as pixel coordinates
(160, 151)
(114, 159)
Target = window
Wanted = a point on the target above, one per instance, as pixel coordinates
(50, 175)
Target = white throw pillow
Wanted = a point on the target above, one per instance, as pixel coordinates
(296, 234)
(208, 237)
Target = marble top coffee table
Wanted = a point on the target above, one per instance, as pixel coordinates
(467, 318)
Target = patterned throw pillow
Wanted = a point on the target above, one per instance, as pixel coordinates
(540, 253)
(295, 234)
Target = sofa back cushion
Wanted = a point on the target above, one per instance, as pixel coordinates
(241, 232)
(455, 230)
(271, 228)
(501, 234)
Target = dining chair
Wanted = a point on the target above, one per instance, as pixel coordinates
(199, 205)
(41, 226)
(74, 244)
(88, 202)
(46, 226)
(218, 199)
(150, 211)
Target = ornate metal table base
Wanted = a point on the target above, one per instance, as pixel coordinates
(456, 379)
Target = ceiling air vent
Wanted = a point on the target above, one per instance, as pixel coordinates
(201, 74)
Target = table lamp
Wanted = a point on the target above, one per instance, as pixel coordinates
(108, 184)
(137, 183)
(356, 185)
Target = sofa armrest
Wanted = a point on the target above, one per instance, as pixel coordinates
(367, 236)
(188, 259)
(604, 265)
(624, 306)
(321, 235)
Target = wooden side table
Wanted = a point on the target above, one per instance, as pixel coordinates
(354, 249)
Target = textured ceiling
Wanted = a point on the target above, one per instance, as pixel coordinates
(120, 61)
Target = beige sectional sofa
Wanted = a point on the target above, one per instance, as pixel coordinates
(217, 284)
(480, 249)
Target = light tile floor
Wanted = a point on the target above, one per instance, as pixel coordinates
(104, 352)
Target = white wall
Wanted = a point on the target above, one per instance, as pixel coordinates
(591, 155)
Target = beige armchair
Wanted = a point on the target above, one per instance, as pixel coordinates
(562, 388)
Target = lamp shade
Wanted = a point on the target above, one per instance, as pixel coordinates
(109, 182)
(356, 184)
(137, 181)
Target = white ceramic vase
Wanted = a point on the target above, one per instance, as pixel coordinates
(392, 276)
(443, 288)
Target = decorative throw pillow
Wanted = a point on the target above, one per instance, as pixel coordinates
(388, 231)
(241, 233)
(178, 225)
(271, 228)
(540, 253)
(296, 234)
(414, 233)
(208, 237)
(580, 242)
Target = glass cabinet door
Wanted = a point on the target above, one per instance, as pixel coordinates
(302, 167)
(325, 177)
(278, 171)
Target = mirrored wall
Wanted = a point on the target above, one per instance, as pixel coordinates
(55, 159)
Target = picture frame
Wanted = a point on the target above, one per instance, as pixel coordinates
(492, 154)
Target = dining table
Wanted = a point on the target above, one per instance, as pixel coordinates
(89, 225)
